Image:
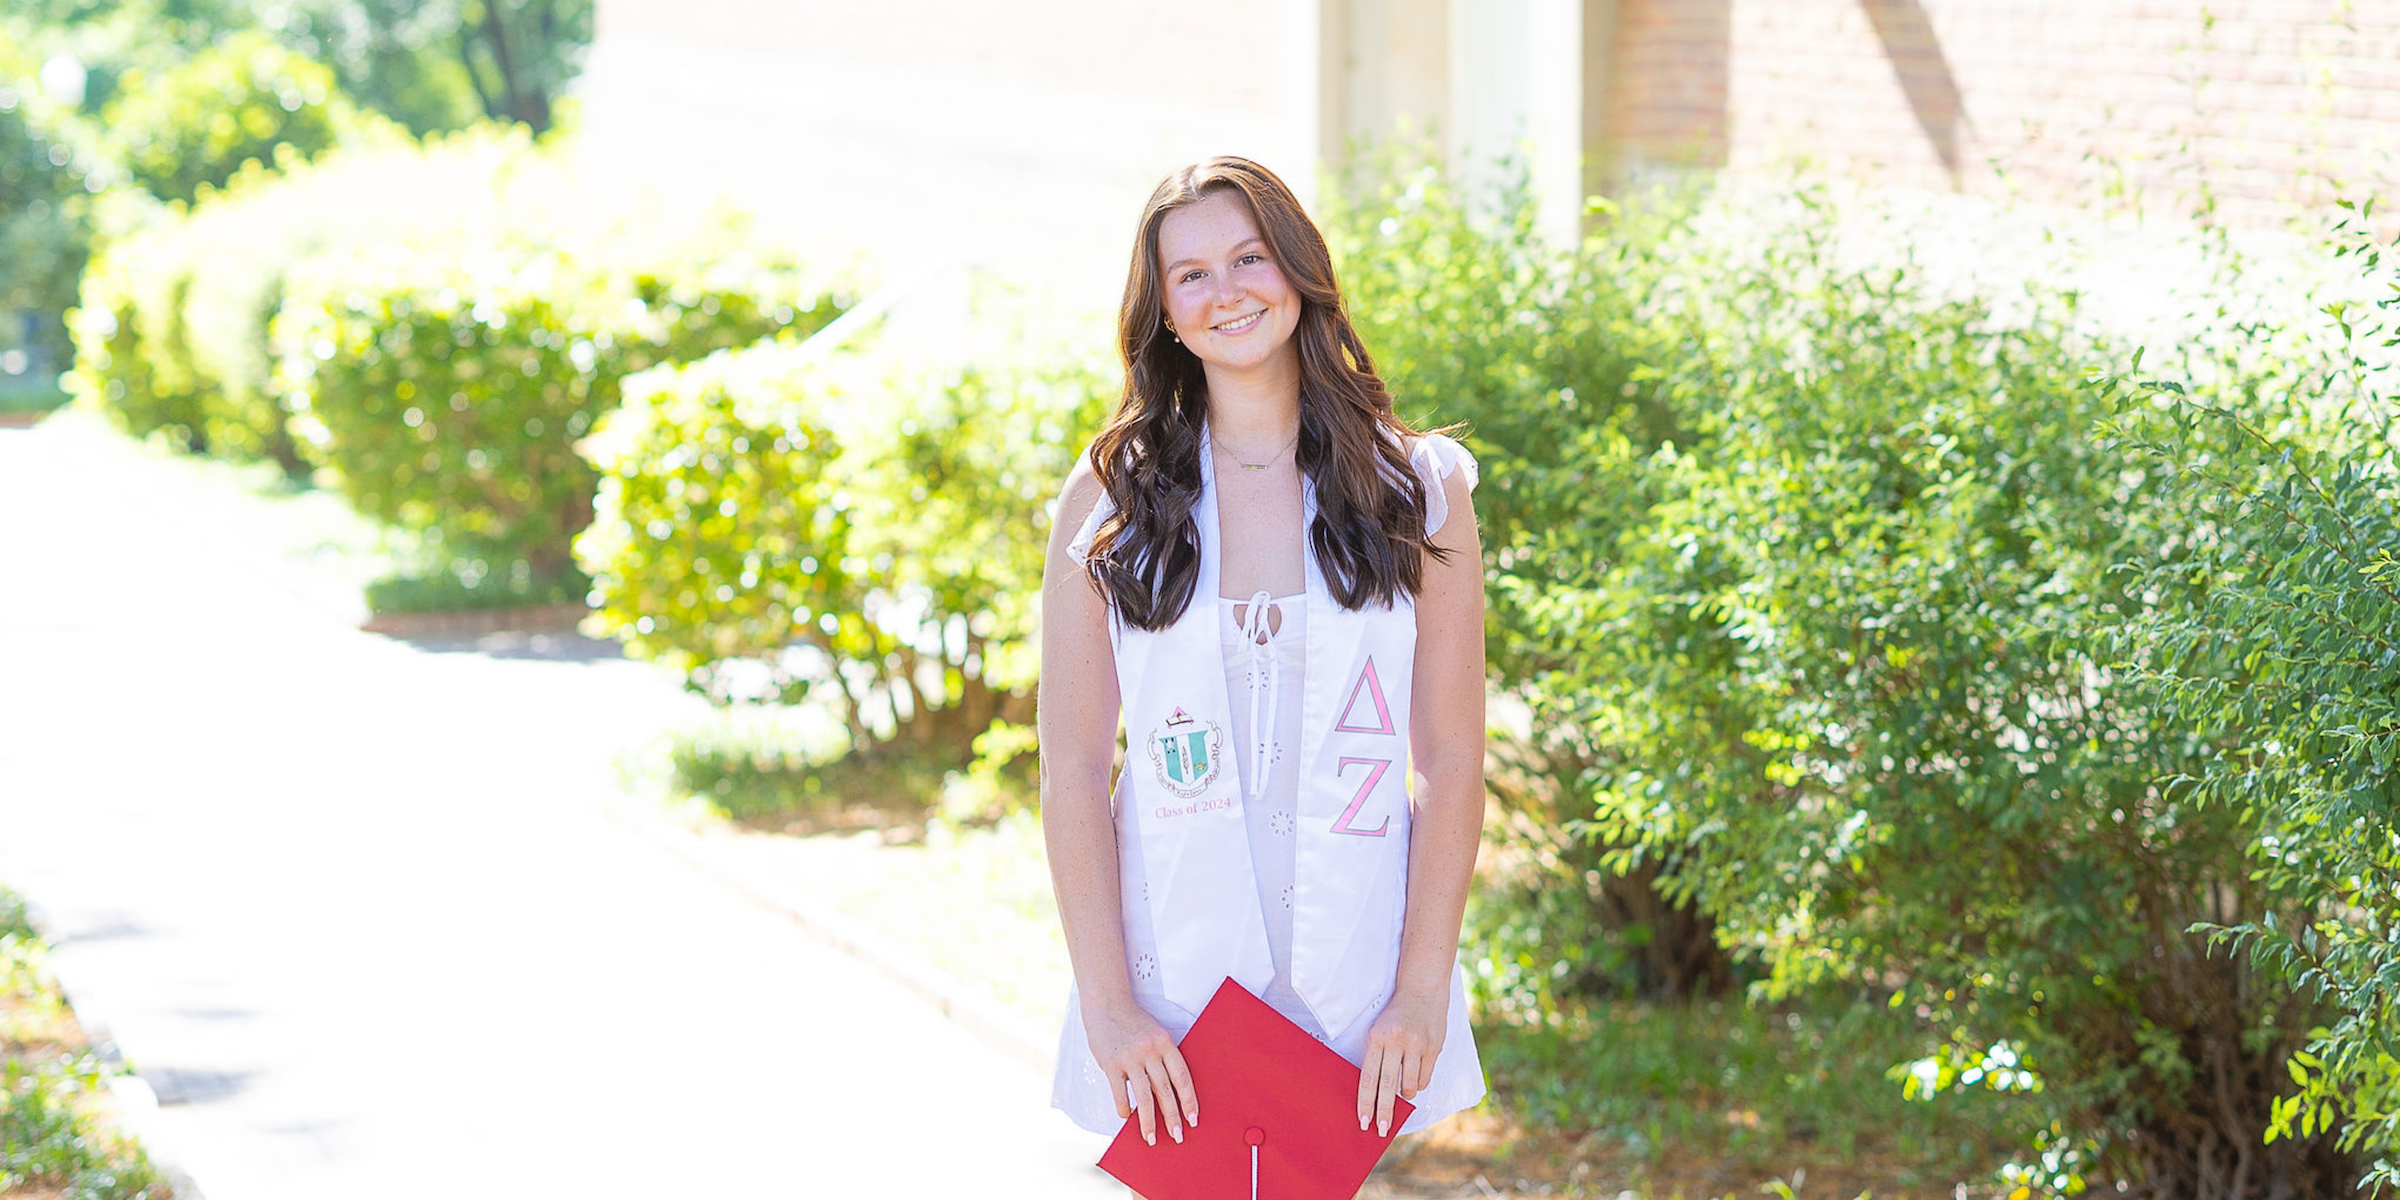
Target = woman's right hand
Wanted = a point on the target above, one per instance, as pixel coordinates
(1144, 1068)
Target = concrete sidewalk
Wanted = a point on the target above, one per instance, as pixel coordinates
(374, 919)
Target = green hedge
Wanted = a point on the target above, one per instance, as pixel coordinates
(303, 315)
(866, 524)
(46, 181)
(447, 397)
(171, 337)
(189, 126)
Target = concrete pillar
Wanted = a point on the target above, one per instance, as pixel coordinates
(1516, 84)
(1392, 77)
(1309, 50)
(1599, 54)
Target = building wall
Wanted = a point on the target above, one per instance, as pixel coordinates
(1025, 134)
(927, 132)
(2073, 101)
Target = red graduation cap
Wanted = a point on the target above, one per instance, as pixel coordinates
(1278, 1115)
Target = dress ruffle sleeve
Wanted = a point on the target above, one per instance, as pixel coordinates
(1080, 547)
(1435, 456)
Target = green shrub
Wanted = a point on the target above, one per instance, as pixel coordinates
(447, 397)
(172, 334)
(190, 126)
(45, 230)
(1847, 681)
(176, 336)
(1471, 314)
(132, 351)
(2284, 665)
(864, 526)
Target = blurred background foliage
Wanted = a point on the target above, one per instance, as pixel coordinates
(430, 65)
(104, 101)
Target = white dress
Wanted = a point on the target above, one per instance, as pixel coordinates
(1264, 656)
(1263, 680)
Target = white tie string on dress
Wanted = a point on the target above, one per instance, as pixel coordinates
(1257, 637)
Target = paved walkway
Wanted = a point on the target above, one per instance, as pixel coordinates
(375, 919)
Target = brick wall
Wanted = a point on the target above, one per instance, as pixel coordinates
(2068, 101)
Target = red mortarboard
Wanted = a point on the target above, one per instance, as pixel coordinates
(1278, 1115)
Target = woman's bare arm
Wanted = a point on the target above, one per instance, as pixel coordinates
(1446, 733)
(1077, 716)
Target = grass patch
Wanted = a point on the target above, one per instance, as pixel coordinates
(1713, 1096)
(15, 922)
(17, 397)
(471, 585)
(786, 769)
(55, 1136)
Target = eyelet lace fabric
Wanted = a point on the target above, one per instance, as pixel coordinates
(1265, 645)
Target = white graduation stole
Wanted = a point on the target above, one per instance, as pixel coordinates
(1180, 803)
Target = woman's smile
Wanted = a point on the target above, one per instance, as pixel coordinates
(1223, 288)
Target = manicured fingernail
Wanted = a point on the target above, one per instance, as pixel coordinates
(1178, 1132)
(1382, 1128)
(1151, 1138)
(1362, 1123)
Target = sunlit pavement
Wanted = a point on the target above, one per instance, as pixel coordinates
(374, 918)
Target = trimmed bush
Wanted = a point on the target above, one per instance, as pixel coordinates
(450, 268)
(45, 227)
(191, 126)
(172, 339)
(863, 526)
(447, 397)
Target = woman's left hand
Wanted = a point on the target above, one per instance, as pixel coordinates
(1401, 1047)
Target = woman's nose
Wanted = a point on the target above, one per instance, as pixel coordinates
(1226, 290)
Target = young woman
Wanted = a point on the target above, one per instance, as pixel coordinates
(1278, 585)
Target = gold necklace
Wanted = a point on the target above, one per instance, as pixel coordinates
(1260, 466)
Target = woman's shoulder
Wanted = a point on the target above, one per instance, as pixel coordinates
(1082, 485)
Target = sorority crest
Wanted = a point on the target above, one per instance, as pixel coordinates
(1186, 751)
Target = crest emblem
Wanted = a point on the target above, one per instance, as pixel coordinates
(1185, 751)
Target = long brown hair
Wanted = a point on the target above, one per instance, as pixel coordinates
(1369, 534)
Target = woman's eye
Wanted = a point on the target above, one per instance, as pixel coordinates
(1251, 258)
(1189, 276)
